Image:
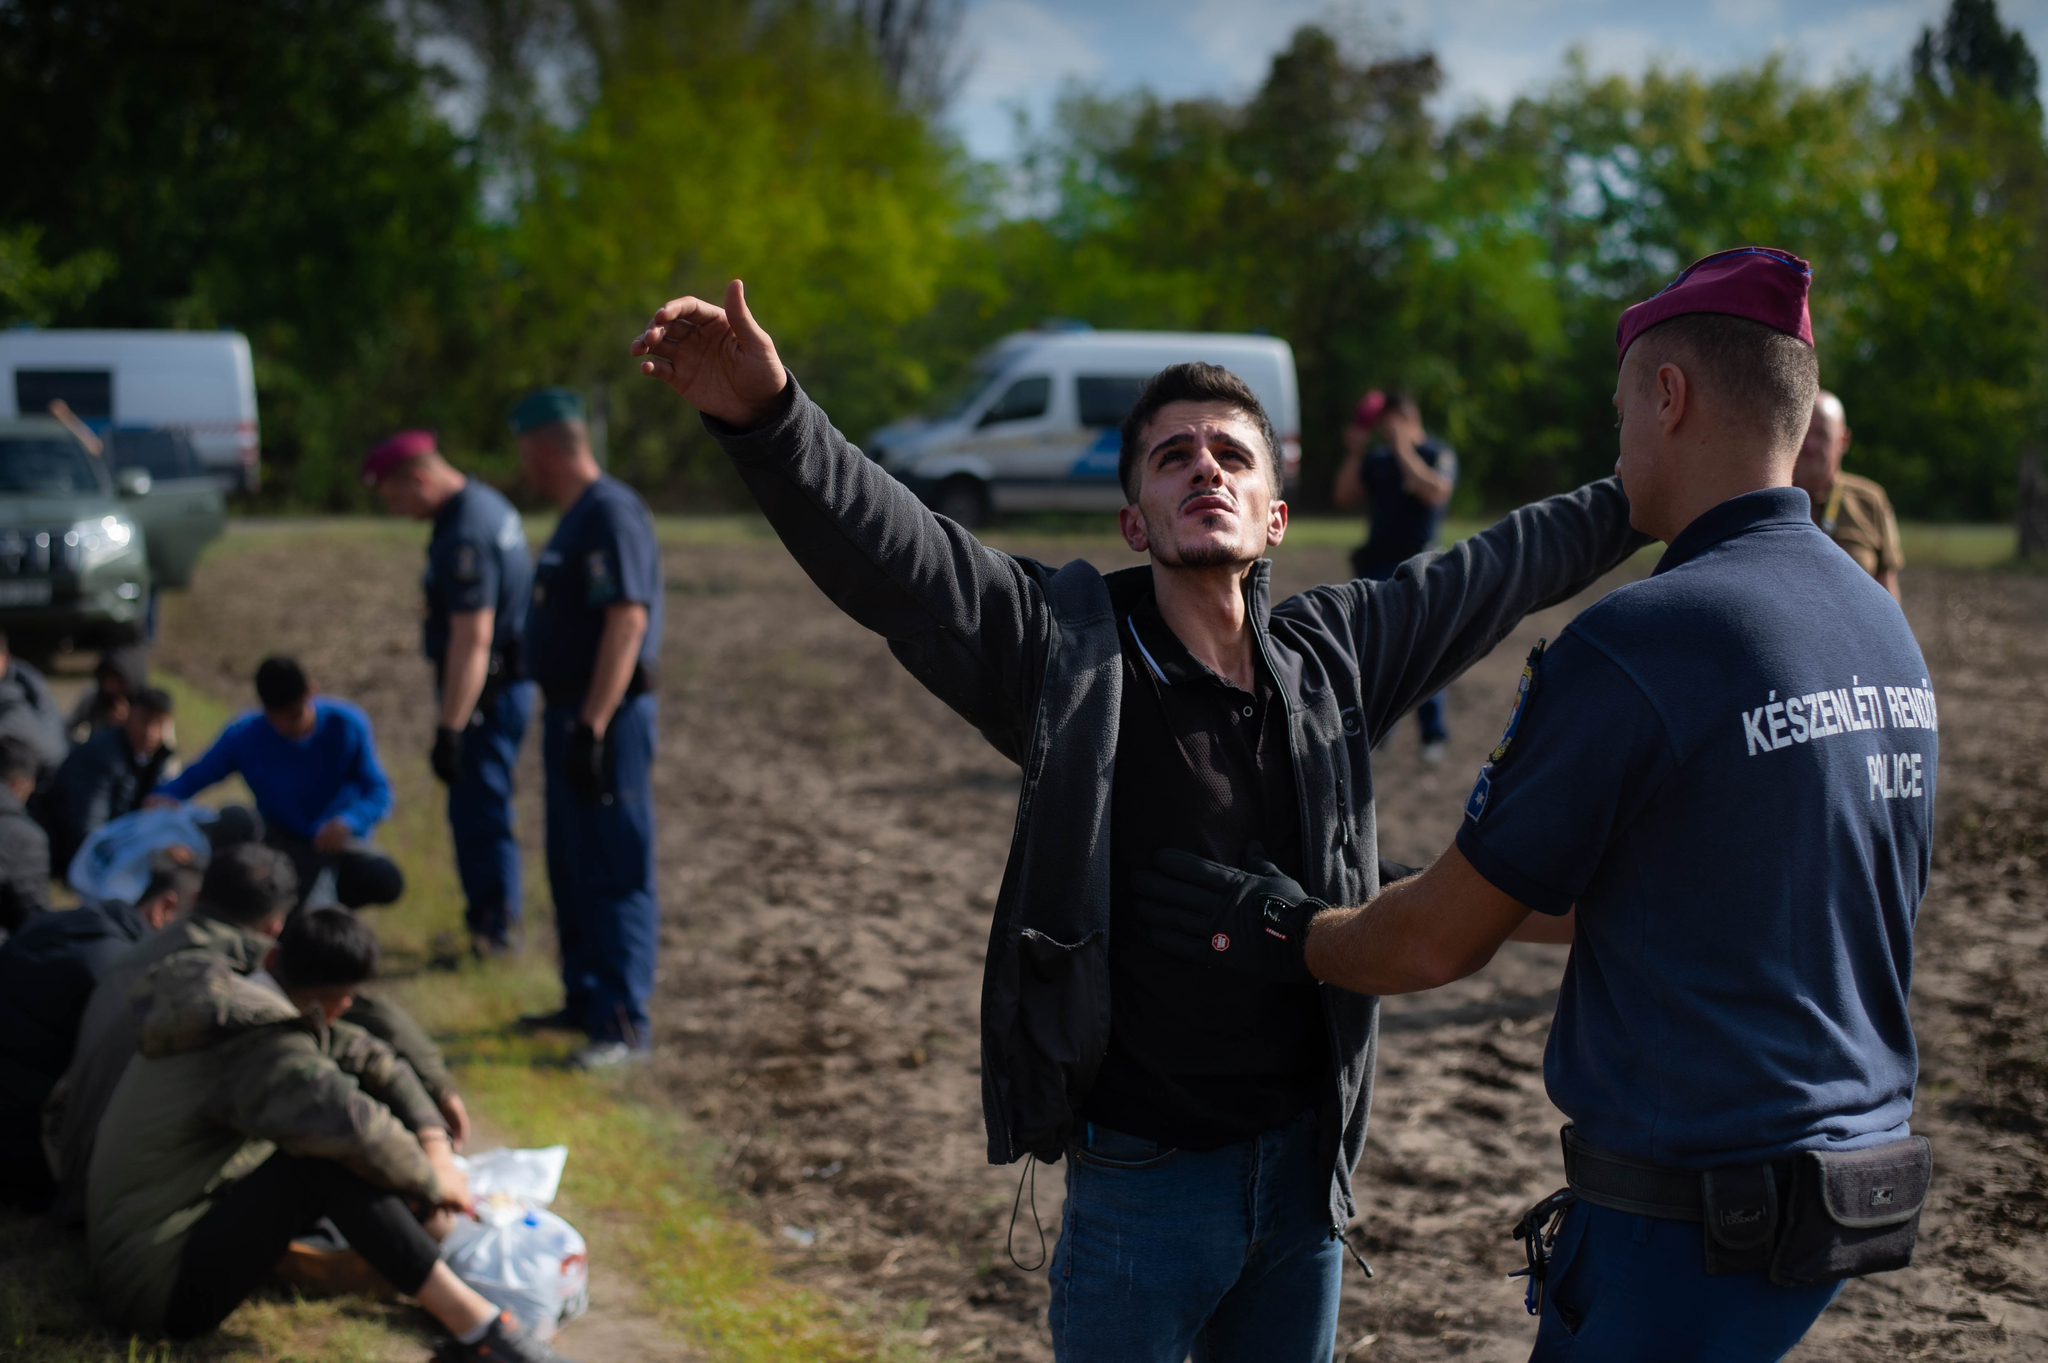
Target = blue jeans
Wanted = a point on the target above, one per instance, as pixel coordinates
(480, 814)
(1228, 1254)
(1637, 1287)
(601, 870)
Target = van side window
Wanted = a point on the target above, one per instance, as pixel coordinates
(1107, 400)
(1022, 399)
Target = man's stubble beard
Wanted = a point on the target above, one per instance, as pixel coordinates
(1207, 556)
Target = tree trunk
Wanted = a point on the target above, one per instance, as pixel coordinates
(2033, 509)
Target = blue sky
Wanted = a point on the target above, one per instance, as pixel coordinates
(1023, 51)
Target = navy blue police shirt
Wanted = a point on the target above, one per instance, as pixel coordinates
(1729, 767)
(477, 561)
(1402, 524)
(601, 554)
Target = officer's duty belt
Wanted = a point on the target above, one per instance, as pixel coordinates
(1628, 1185)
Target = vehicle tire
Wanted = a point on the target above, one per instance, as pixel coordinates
(962, 499)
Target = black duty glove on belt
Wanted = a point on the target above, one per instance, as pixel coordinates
(447, 754)
(584, 765)
(1255, 921)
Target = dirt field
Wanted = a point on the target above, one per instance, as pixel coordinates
(831, 843)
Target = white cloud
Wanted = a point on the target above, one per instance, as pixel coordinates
(1021, 49)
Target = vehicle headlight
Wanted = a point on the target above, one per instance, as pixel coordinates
(93, 543)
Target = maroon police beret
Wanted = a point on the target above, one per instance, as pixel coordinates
(1757, 282)
(399, 449)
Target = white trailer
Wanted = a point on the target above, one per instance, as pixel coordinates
(199, 382)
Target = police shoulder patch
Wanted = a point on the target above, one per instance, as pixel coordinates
(1526, 685)
(603, 582)
(465, 567)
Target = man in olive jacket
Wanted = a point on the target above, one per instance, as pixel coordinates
(248, 890)
(252, 1111)
(1213, 1124)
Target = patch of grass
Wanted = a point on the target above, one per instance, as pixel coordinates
(1957, 546)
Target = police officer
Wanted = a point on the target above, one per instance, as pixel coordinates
(593, 633)
(476, 585)
(1718, 785)
(1853, 510)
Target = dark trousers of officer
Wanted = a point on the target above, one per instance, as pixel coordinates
(1624, 1288)
(480, 812)
(601, 871)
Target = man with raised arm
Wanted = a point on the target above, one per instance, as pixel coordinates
(1718, 786)
(1213, 1116)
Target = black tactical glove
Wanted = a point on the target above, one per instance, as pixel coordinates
(447, 754)
(1255, 921)
(584, 765)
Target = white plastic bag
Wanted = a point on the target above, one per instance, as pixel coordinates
(524, 1175)
(524, 1259)
(113, 862)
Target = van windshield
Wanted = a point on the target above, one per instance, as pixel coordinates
(46, 465)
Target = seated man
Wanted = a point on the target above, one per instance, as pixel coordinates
(312, 763)
(252, 1112)
(243, 901)
(24, 847)
(47, 973)
(29, 713)
(108, 775)
(117, 678)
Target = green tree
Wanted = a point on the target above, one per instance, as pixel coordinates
(272, 167)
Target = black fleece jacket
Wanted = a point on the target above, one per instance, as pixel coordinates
(1029, 655)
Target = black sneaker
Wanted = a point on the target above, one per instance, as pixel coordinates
(561, 1020)
(507, 1341)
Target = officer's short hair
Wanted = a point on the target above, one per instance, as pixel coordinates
(1757, 374)
(1192, 382)
(154, 699)
(281, 683)
(17, 759)
(174, 870)
(325, 947)
(249, 882)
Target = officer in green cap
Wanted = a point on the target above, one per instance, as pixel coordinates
(593, 634)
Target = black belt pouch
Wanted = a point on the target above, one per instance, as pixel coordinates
(1852, 1212)
(1739, 1206)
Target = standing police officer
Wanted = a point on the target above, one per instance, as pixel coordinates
(476, 585)
(1719, 787)
(593, 634)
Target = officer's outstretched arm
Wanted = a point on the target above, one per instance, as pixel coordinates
(1419, 933)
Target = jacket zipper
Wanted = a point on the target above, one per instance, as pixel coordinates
(1331, 1039)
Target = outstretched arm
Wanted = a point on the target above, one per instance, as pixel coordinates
(970, 623)
(1419, 933)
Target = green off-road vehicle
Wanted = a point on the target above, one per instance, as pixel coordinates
(87, 539)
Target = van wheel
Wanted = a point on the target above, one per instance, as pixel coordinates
(962, 499)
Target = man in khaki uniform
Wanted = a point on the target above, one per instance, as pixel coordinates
(1853, 511)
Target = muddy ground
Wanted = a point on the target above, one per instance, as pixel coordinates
(831, 841)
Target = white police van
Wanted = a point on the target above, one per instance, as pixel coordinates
(1035, 426)
(200, 384)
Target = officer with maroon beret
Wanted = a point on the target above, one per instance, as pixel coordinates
(1718, 787)
(477, 579)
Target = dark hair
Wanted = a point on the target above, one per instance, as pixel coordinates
(249, 882)
(1192, 382)
(324, 947)
(1759, 376)
(281, 683)
(154, 699)
(174, 870)
(17, 759)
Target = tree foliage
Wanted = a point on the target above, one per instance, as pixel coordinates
(417, 210)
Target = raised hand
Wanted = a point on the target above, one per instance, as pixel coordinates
(718, 359)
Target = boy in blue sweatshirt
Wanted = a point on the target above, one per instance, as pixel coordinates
(312, 764)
